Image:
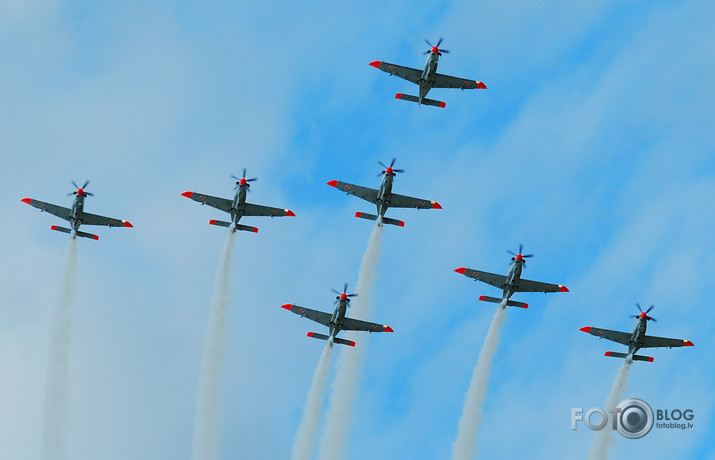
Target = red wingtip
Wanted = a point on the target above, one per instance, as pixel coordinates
(398, 96)
(481, 297)
(358, 214)
(481, 85)
(290, 213)
(436, 205)
(375, 64)
(526, 305)
(352, 344)
(388, 329)
(96, 237)
(187, 194)
(401, 224)
(54, 227)
(333, 183)
(127, 224)
(442, 104)
(286, 306)
(461, 270)
(26, 200)
(310, 334)
(688, 343)
(255, 229)
(212, 222)
(608, 353)
(563, 289)
(650, 359)
(586, 329)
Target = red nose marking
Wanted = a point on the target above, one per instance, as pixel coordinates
(519, 257)
(243, 181)
(79, 191)
(435, 50)
(343, 296)
(389, 170)
(643, 315)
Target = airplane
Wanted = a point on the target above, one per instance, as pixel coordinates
(636, 339)
(337, 321)
(384, 198)
(238, 207)
(427, 78)
(76, 215)
(512, 282)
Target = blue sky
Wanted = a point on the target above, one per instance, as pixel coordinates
(592, 146)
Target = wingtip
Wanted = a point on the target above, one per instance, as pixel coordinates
(375, 64)
(398, 96)
(388, 329)
(96, 237)
(27, 200)
(352, 344)
(290, 213)
(187, 194)
(481, 297)
(286, 306)
(608, 353)
(436, 205)
(127, 224)
(688, 343)
(401, 223)
(309, 334)
(443, 104)
(333, 183)
(563, 289)
(255, 230)
(651, 359)
(358, 214)
(586, 329)
(461, 270)
(481, 85)
(212, 222)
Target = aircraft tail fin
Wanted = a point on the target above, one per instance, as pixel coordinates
(221, 223)
(614, 354)
(385, 220)
(432, 102)
(315, 335)
(69, 231)
(509, 303)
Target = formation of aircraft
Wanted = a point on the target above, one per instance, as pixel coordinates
(337, 321)
(636, 339)
(428, 77)
(384, 198)
(238, 207)
(512, 282)
(76, 215)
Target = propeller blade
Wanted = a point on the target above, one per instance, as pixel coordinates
(634, 316)
(444, 51)
(430, 44)
(352, 295)
(650, 308)
(251, 180)
(398, 170)
(652, 319)
(75, 185)
(89, 194)
(639, 307)
(244, 173)
(527, 256)
(345, 288)
(85, 185)
(521, 247)
(382, 164)
(393, 162)
(234, 177)
(338, 293)
(508, 251)
(73, 193)
(440, 41)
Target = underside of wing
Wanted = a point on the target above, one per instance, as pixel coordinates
(658, 342)
(538, 286)
(485, 277)
(315, 315)
(94, 219)
(614, 336)
(402, 201)
(259, 210)
(366, 193)
(215, 202)
(350, 324)
(59, 211)
(446, 81)
(408, 73)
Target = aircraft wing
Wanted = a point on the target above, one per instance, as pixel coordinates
(59, 211)
(366, 193)
(350, 324)
(615, 336)
(537, 286)
(485, 277)
(315, 315)
(407, 73)
(445, 81)
(258, 210)
(657, 342)
(94, 219)
(402, 201)
(219, 203)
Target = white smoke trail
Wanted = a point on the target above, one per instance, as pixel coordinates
(304, 440)
(347, 375)
(57, 393)
(207, 429)
(477, 393)
(604, 438)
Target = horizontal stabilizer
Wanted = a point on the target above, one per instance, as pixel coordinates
(246, 228)
(219, 223)
(82, 234)
(509, 303)
(385, 220)
(614, 354)
(432, 102)
(315, 335)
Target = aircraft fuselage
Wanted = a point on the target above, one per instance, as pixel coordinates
(384, 194)
(77, 211)
(336, 322)
(239, 203)
(512, 278)
(637, 337)
(427, 79)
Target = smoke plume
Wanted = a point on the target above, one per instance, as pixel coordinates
(605, 437)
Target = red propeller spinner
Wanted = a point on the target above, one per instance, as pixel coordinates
(343, 296)
(435, 50)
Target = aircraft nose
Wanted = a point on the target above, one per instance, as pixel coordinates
(343, 296)
(435, 50)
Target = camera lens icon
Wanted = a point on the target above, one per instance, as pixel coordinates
(635, 419)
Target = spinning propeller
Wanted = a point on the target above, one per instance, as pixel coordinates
(644, 314)
(242, 180)
(80, 190)
(388, 169)
(519, 257)
(434, 49)
(343, 295)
